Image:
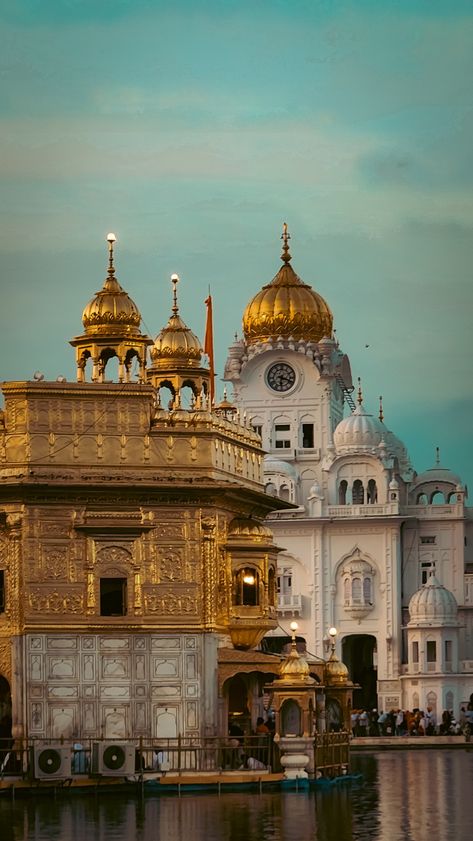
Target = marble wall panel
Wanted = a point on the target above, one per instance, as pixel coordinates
(114, 668)
(115, 721)
(62, 720)
(139, 667)
(164, 668)
(110, 693)
(88, 667)
(158, 643)
(166, 721)
(36, 717)
(192, 717)
(62, 643)
(61, 668)
(89, 718)
(97, 684)
(122, 643)
(166, 691)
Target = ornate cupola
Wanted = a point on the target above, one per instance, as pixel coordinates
(287, 308)
(111, 329)
(252, 555)
(176, 358)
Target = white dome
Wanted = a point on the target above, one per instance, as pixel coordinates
(437, 475)
(395, 447)
(359, 431)
(274, 465)
(433, 605)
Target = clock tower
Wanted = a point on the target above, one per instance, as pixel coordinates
(291, 378)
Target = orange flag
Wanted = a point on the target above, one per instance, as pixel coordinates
(209, 346)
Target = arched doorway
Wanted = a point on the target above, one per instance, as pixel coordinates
(359, 656)
(237, 692)
(5, 710)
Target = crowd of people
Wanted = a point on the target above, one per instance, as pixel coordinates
(411, 722)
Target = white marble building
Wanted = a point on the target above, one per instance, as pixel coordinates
(367, 531)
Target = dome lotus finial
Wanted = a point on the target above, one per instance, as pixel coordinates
(174, 281)
(111, 239)
(360, 393)
(285, 236)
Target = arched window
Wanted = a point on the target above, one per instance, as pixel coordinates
(346, 590)
(272, 587)
(356, 590)
(358, 492)
(284, 492)
(437, 498)
(246, 587)
(271, 489)
(422, 499)
(372, 492)
(342, 492)
(452, 498)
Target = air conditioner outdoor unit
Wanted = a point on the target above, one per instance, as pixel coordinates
(52, 762)
(113, 759)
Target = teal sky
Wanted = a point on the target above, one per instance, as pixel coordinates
(195, 129)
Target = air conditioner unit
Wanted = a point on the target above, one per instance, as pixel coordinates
(52, 762)
(113, 759)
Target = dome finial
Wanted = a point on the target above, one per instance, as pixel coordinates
(285, 256)
(111, 239)
(360, 394)
(437, 456)
(381, 414)
(174, 281)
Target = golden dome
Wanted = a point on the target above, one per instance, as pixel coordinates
(111, 311)
(295, 668)
(176, 342)
(287, 307)
(336, 673)
(250, 529)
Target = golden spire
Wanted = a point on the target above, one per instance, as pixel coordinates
(174, 281)
(285, 256)
(111, 239)
(381, 414)
(360, 395)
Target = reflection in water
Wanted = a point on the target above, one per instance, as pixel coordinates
(404, 796)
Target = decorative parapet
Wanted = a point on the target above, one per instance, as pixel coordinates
(375, 510)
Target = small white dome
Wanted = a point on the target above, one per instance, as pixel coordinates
(433, 605)
(359, 431)
(395, 447)
(437, 475)
(279, 466)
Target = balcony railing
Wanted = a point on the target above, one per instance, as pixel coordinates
(433, 512)
(290, 603)
(374, 510)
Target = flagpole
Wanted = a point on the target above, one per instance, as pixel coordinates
(209, 346)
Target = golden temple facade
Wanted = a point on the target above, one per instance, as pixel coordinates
(132, 544)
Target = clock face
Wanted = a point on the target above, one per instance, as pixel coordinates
(281, 377)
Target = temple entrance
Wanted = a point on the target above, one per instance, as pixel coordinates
(359, 655)
(5, 710)
(239, 714)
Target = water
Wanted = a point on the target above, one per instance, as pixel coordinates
(404, 796)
